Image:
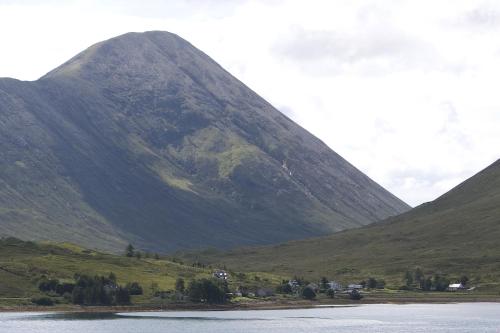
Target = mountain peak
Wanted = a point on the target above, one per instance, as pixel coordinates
(145, 139)
(131, 54)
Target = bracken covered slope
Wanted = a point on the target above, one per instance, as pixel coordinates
(145, 139)
(456, 234)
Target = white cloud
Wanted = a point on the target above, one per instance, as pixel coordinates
(405, 90)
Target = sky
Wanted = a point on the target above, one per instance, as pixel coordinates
(404, 90)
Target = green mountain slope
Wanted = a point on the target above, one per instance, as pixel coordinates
(145, 139)
(456, 234)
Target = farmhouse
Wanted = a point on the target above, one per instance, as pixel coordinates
(334, 285)
(221, 274)
(455, 287)
(354, 287)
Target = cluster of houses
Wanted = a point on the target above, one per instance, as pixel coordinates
(295, 286)
(221, 275)
(333, 285)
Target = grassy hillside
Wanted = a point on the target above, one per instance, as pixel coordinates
(145, 139)
(456, 234)
(22, 264)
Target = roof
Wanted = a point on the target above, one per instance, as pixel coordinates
(455, 285)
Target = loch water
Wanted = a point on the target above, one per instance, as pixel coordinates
(387, 318)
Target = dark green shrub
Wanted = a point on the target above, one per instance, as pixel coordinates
(179, 285)
(64, 288)
(134, 288)
(206, 290)
(122, 296)
(308, 293)
(48, 285)
(98, 290)
(45, 301)
(284, 288)
(355, 295)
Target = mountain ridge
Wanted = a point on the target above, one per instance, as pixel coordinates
(455, 235)
(145, 139)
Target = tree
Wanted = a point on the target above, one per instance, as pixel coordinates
(154, 288)
(380, 284)
(134, 288)
(157, 257)
(98, 290)
(138, 254)
(372, 283)
(284, 288)
(308, 293)
(179, 285)
(324, 283)
(355, 295)
(48, 285)
(112, 277)
(330, 293)
(206, 290)
(464, 279)
(129, 251)
(45, 301)
(122, 296)
(440, 283)
(408, 279)
(64, 288)
(427, 284)
(419, 276)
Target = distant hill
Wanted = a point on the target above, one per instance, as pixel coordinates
(145, 139)
(456, 234)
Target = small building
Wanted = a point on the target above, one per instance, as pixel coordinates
(334, 285)
(456, 287)
(353, 286)
(221, 274)
(314, 287)
(293, 283)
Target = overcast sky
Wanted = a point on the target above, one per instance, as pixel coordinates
(407, 91)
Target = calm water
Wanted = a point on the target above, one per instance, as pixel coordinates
(470, 317)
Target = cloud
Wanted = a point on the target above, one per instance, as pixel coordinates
(452, 129)
(372, 50)
(483, 17)
(173, 8)
(288, 111)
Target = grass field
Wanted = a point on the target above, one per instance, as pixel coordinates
(22, 264)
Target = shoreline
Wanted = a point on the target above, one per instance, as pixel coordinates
(262, 305)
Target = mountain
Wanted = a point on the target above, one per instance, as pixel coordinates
(456, 234)
(145, 139)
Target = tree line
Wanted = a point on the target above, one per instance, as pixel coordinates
(89, 290)
(416, 279)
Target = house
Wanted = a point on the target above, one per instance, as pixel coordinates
(354, 286)
(221, 274)
(293, 283)
(334, 285)
(314, 287)
(455, 287)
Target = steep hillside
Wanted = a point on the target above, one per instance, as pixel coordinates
(145, 139)
(456, 234)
